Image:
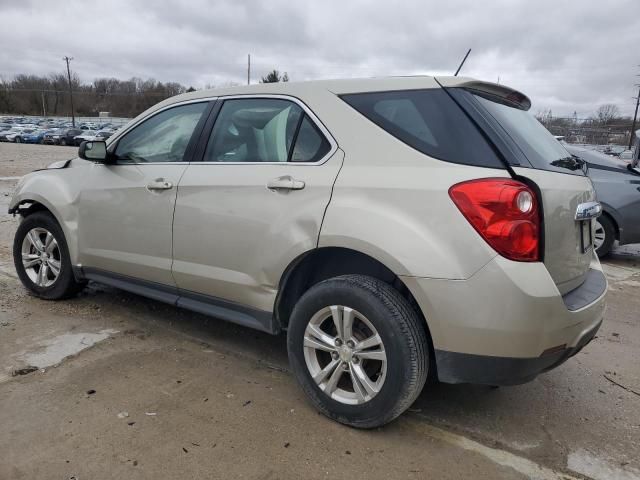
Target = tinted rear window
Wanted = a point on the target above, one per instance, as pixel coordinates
(429, 121)
(542, 150)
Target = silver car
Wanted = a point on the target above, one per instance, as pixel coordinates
(617, 185)
(396, 229)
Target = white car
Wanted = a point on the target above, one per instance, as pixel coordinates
(15, 134)
(88, 135)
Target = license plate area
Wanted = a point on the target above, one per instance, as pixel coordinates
(586, 235)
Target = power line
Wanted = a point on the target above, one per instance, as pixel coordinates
(91, 92)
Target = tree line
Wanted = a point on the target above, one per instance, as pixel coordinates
(50, 96)
(605, 125)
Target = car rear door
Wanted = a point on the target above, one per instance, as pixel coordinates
(255, 201)
(126, 207)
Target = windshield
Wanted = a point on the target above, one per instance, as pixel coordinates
(542, 150)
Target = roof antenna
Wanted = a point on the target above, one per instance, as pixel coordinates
(462, 63)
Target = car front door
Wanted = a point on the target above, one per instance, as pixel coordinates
(255, 201)
(126, 207)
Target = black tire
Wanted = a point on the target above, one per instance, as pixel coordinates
(18, 140)
(65, 285)
(609, 236)
(63, 142)
(403, 335)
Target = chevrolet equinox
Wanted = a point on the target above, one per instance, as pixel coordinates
(397, 229)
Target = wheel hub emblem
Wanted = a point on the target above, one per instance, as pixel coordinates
(345, 353)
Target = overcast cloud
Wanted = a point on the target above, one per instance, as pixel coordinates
(567, 56)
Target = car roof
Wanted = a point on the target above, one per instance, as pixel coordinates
(318, 89)
(339, 87)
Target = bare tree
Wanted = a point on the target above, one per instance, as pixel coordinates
(606, 113)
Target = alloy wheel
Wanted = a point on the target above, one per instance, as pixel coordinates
(345, 355)
(599, 235)
(41, 257)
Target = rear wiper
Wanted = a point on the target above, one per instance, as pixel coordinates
(584, 165)
(572, 162)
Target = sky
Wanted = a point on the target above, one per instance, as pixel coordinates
(565, 55)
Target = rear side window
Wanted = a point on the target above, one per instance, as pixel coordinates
(429, 121)
(310, 145)
(536, 143)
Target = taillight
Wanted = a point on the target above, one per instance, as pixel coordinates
(504, 212)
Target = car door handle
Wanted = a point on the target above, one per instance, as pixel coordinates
(159, 184)
(285, 183)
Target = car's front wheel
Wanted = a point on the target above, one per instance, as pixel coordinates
(358, 349)
(604, 236)
(41, 258)
(18, 140)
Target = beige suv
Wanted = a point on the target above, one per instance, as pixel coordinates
(397, 229)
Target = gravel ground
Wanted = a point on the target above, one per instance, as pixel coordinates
(20, 159)
(131, 387)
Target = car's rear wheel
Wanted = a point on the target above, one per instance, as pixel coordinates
(63, 142)
(604, 236)
(358, 349)
(41, 258)
(18, 140)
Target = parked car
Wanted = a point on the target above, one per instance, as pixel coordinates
(617, 187)
(6, 131)
(104, 134)
(85, 135)
(16, 134)
(36, 136)
(66, 136)
(395, 228)
(52, 137)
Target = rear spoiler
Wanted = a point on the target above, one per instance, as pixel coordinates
(504, 94)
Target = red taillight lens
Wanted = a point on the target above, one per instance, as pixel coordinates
(504, 212)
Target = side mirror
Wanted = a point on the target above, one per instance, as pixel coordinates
(95, 150)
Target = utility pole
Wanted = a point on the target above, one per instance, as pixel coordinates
(633, 124)
(462, 63)
(44, 110)
(248, 68)
(73, 116)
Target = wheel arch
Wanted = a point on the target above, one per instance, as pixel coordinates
(323, 263)
(27, 202)
(27, 207)
(607, 212)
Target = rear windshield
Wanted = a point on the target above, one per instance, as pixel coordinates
(429, 121)
(536, 143)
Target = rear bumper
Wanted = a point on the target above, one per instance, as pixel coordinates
(454, 367)
(508, 322)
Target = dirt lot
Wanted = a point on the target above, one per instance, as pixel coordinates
(132, 388)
